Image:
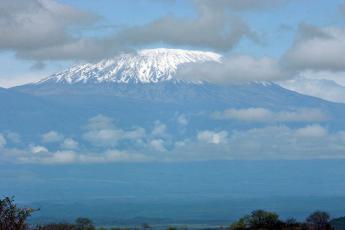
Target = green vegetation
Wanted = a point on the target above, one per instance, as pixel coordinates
(13, 217)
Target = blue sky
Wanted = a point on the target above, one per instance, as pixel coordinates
(275, 27)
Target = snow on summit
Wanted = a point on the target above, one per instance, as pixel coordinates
(145, 66)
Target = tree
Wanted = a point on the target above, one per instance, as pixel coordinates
(293, 224)
(318, 220)
(258, 219)
(241, 224)
(12, 217)
(84, 224)
(261, 219)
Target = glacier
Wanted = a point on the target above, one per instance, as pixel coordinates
(144, 66)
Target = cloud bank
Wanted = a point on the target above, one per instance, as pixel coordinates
(238, 68)
(309, 140)
(317, 49)
(44, 30)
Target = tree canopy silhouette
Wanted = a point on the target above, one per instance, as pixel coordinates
(13, 217)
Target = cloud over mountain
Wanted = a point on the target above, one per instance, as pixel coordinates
(43, 30)
(232, 69)
(317, 48)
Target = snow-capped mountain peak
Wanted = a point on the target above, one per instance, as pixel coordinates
(145, 66)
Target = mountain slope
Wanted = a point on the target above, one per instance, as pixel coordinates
(28, 114)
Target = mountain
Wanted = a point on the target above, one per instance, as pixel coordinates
(139, 90)
(145, 66)
(28, 114)
(149, 75)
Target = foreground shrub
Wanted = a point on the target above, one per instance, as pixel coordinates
(13, 217)
(258, 219)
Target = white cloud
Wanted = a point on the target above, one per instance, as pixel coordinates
(213, 137)
(2, 141)
(232, 69)
(31, 25)
(182, 120)
(312, 131)
(22, 77)
(72, 157)
(60, 157)
(249, 114)
(266, 115)
(242, 5)
(301, 115)
(114, 156)
(159, 129)
(325, 88)
(102, 132)
(317, 49)
(13, 137)
(341, 8)
(69, 143)
(103, 137)
(272, 142)
(100, 122)
(158, 145)
(338, 77)
(51, 137)
(135, 134)
(37, 149)
(50, 30)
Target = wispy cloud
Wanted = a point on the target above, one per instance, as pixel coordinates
(266, 115)
(213, 137)
(38, 149)
(100, 131)
(2, 141)
(70, 143)
(13, 137)
(51, 137)
(327, 88)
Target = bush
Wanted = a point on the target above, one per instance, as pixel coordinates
(12, 217)
(258, 219)
(318, 220)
